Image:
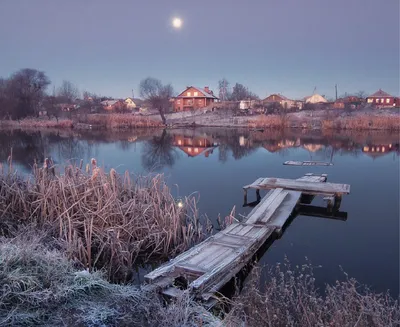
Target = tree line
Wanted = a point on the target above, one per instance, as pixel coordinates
(26, 94)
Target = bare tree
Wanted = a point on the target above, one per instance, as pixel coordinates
(68, 92)
(27, 89)
(223, 86)
(157, 95)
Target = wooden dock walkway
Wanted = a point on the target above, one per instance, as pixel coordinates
(207, 267)
(307, 163)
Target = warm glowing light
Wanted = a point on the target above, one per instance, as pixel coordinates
(180, 204)
(177, 22)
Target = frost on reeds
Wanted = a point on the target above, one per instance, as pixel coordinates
(291, 298)
(38, 123)
(41, 287)
(105, 220)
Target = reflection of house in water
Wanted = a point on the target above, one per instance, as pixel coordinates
(245, 141)
(375, 151)
(313, 147)
(280, 145)
(194, 146)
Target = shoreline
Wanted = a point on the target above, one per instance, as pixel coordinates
(306, 120)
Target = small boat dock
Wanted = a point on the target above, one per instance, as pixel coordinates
(204, 269)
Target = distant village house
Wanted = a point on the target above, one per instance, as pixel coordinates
(113, 105)
(194, 98)
(283, 101)
(382, 99)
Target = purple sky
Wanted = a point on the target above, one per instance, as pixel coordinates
(286, 46)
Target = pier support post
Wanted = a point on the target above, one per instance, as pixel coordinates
(338, 201)
(258, 195)
(245, 196)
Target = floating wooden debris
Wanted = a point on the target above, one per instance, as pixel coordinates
(204, 269)
(307, 163)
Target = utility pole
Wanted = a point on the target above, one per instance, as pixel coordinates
(336, 90)
(132, 94)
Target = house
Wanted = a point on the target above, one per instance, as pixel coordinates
(194, 98)
(283, 101)
(132, 103)
(315, 98)
(351, 102)
(382, 99)
(113, 105)
(66, 106)
(194, 146)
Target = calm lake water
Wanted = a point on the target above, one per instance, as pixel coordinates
(216, 163)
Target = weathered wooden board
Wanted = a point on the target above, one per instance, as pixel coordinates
(307, 163)
(283, 212)
(306, 187)
(266, 208)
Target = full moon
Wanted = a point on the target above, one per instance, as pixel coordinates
(177, 23)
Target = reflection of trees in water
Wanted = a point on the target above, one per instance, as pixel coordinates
(28, 147)
(159, 152)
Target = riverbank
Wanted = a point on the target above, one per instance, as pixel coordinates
(42, 287)
(67, 234)
(334, 119)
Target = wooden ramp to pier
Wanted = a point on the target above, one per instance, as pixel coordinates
(205, 268)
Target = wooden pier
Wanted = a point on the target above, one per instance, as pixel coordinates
(204, 269)
(307, 163)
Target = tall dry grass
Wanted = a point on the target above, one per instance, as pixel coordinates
(38, 123)
(363, 122)
(270, 121)
(291, 298)
(105, 220)
(119, 121)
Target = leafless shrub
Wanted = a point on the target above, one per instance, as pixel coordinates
(290, 298)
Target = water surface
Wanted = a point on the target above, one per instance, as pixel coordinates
(215, 164)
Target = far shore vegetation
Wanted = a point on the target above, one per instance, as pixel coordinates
(27, 102)
(71, 239)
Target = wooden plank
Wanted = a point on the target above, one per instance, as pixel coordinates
(229, 268)
(231, 239)
(190, 269)
(263, 217)
(255, 183)
(305, 187)
(260, 208)
(210, 251)
(284, 211)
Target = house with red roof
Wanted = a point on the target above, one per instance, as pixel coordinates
(283, 101)
(194, 98)
(382, 99)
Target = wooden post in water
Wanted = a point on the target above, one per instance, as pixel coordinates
(245, 196)
(258, 195)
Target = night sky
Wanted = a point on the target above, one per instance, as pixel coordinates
(271, 46)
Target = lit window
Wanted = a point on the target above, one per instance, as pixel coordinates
(383, 149)
(178, 102)
(373, 149)
(189, 149)
(196, 94)
(200, 143)
(200, 101)
(378, 149)
(189, 94)
(179, 142)
(370, 100)
(196, 150)
(366, 149)
(387, 100)
(382, 100)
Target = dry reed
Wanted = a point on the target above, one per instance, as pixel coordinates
(38, 123)
(105, 220)
(270, 121)
(364, 122)
(119, 121)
